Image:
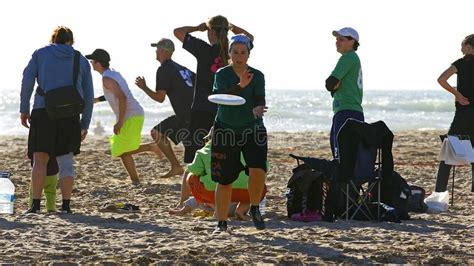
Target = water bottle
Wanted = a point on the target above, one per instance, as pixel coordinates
(7, 193)
(261, 205)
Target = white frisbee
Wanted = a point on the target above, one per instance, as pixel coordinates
(226, 99)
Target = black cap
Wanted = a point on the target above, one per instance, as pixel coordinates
(99, 55)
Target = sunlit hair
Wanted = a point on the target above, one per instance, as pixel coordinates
(469, 40)
(103, 64)
(220, 25)
(62, 35)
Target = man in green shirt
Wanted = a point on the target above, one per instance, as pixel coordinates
(345, 83)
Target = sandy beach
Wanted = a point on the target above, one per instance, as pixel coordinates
(151, 235)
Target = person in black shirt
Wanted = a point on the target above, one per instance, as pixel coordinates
(177, 82)
(463, 122)
(210, 57)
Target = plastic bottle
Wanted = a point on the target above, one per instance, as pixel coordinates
(261, 205)
(7, 193)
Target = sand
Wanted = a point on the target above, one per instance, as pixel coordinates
(153, 236)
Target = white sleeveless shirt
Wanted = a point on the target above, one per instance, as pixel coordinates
(133, 107)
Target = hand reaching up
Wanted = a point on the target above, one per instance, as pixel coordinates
(245, 78)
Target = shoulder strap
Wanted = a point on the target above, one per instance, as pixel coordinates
(75, 68)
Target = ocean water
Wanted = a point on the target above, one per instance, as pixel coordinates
(288, 110)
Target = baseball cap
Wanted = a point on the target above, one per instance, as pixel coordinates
(165, 44)
(99, 55)
(241, 38)
(346, 32)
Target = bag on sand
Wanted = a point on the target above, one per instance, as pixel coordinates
(438, 202)
(416, 200)
(396, 194)
(304, 190)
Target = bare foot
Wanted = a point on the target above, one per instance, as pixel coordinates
(136, 183)
(154, 148)
(180, 212)
(174, 171)
(178, 205)
(241, 211)
(242, 216)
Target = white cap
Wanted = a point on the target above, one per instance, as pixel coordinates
(347, 32)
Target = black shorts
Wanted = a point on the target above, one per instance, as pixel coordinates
(51, 169)
(200, 124)
(55, 137)
(176, 130)
(463, 122)
(173, 128)
(226, 148)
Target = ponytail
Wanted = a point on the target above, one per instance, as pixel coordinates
(224, 44)
(220, 25)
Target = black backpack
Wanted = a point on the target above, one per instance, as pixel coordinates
(304, 190)
(416, 202)
(396, 194)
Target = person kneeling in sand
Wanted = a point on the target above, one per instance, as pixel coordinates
(128, 112)
(199, 182)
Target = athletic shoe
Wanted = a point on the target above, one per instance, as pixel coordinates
(257, 219)
(31, 210)
(219, 229)
(309, 216)
(66, 211)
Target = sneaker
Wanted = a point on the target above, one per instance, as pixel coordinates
(257, 219)
(31, 210)
(219, 229)
(309, 216)
(67, 211)
(129, 208)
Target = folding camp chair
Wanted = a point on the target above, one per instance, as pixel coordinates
(363, 148)
(365, 156)
(359, 188)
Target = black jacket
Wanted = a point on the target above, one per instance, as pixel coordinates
(372, 136)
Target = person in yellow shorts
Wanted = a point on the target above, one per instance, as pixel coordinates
(129, 114)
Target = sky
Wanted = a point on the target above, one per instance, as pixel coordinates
(405, 44)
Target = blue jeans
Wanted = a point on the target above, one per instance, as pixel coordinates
(338, 121)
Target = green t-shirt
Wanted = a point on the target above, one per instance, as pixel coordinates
(239, 118)
(349, 94)
(201, 166)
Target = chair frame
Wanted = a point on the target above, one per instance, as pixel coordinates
(362, 195)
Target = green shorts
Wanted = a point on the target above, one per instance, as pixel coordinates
(129, 138)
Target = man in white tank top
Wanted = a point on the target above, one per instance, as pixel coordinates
(129, 114)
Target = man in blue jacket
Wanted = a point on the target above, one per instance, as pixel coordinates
(52, 67)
